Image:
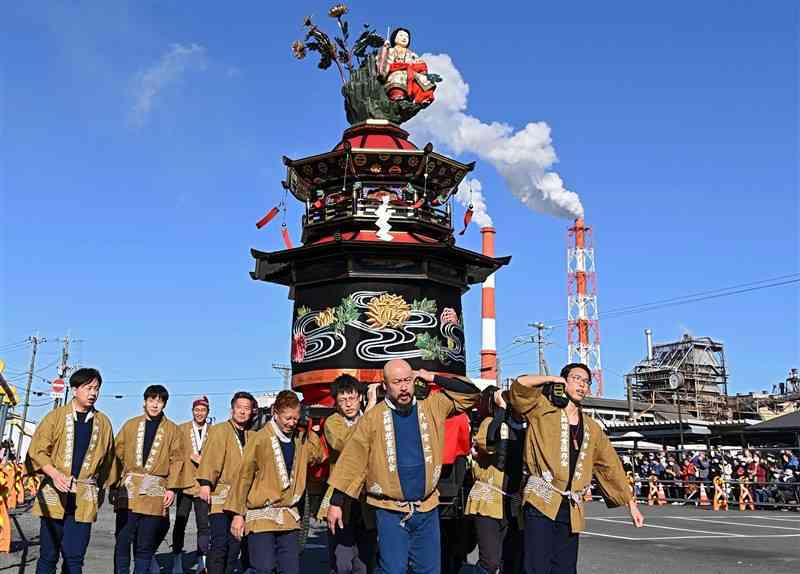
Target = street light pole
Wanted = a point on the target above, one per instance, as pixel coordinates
(676, 382)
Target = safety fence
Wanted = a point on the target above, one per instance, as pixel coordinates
(719, 478)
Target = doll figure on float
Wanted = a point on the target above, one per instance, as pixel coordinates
(405, 75)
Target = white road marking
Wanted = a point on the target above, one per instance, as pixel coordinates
(647, 538)
(736, 523)
(732, 534)
(759, 517)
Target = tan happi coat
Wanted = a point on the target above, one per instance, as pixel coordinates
(220, 465)
(546, 456)
(53, 444)
(141, 484)
(190, 446)
(265, 493)
(371, 452)
(337, 432)
(486, 495)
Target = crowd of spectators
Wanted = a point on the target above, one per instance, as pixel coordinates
(773, 476)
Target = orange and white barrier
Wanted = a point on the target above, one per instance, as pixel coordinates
(745, 498)
(662, 497)
(655, 493)
(720, 494)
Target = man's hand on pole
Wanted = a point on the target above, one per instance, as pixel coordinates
(538, 380)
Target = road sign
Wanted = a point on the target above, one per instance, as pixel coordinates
(57, 389)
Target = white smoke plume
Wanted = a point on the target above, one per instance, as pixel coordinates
(523, 157)
(470, 191)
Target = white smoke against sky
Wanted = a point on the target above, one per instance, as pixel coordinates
(470, 191)
(522, 157)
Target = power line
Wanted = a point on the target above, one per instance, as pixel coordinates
(699, 296)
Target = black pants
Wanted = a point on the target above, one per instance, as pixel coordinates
(182, 510)
(142, 532)
(550, 546)
(499, 544)
(270, 550)
(223, 554)
(353, 548)
(491, 533)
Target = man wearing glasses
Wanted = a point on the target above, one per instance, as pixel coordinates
(563, 449)
(352, 547)
(397, 447)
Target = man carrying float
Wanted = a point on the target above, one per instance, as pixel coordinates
(564, 448)
(149, 464)
(398, 447)
(352, 547)
(216, 475)
(73, 449)
(494, 500)
(271, 482)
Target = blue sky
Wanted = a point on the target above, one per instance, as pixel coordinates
(141, 142)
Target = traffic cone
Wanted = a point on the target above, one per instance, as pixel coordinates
(703, 495)
(587, 494)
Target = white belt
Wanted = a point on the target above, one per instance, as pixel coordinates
(273, 513)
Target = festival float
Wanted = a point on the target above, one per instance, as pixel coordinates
(378, 274)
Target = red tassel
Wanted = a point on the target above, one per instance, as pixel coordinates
(267, 218)
(467, 219)
(419, 203)
(286, 239)
(318, 204)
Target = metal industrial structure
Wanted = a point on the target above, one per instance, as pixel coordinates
(783, 399)
(583, 325)
(689, 373)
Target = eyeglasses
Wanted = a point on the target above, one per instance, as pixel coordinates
(579, 379)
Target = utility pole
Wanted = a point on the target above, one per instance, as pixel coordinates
(63, 370)
(34, 340)
(540, 343)
(286, 372)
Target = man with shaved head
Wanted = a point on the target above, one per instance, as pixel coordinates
(396, 452)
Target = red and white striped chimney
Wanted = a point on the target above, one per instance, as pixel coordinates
(488, 345)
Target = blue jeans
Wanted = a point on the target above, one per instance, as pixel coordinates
(66, 538)
(411, 547)
(142, 532)
(269, 550)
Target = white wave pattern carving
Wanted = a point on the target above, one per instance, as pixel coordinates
(383, 344)
(321, 342)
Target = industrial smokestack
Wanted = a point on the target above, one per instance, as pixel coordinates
(648, 334)
(488, 345)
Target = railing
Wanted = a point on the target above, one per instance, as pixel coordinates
(780, 491)
(339, 206)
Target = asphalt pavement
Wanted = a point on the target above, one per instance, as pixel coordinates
(675, 540)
